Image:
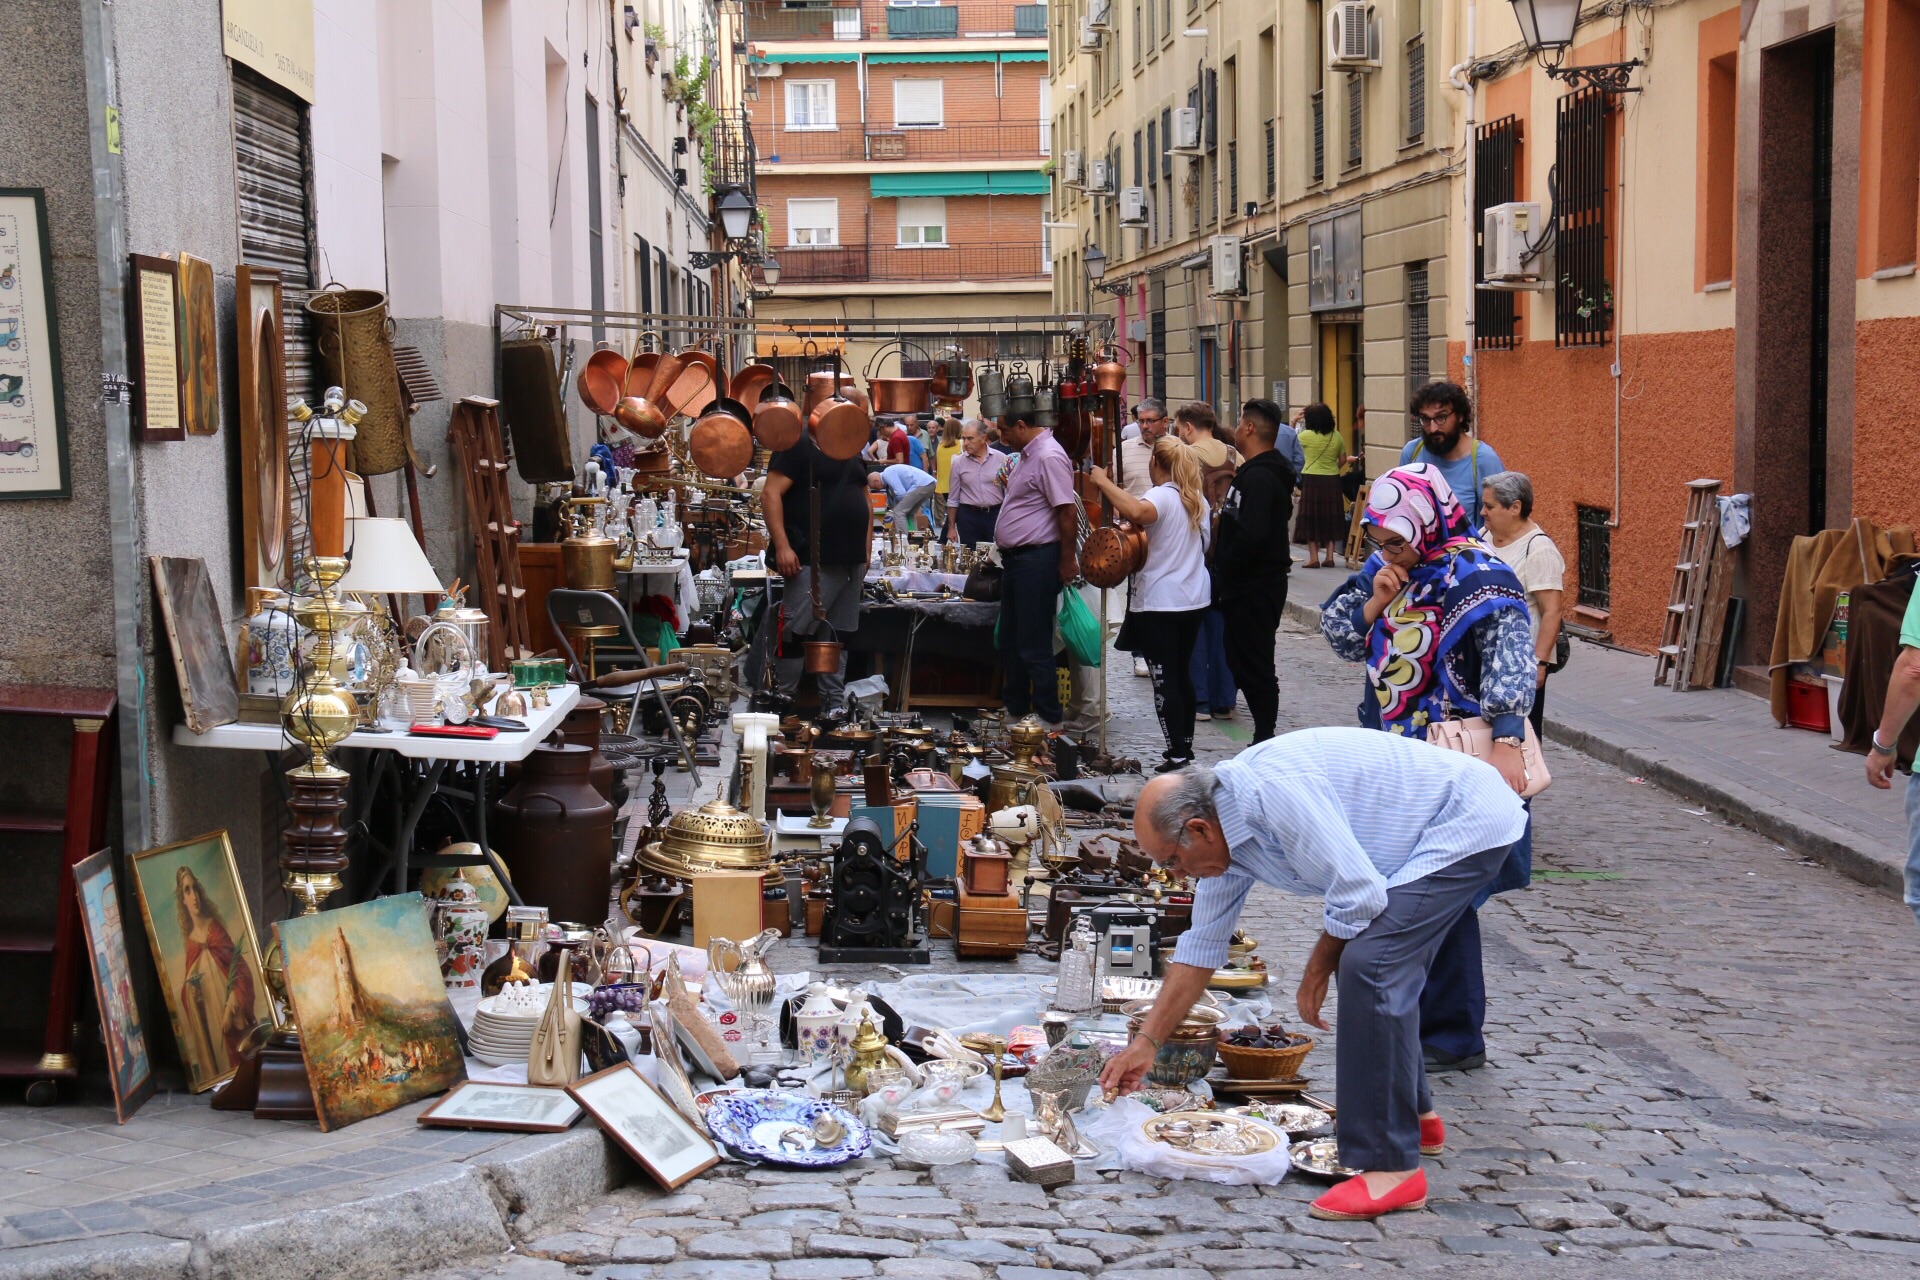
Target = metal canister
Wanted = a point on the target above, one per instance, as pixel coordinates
(555, 833)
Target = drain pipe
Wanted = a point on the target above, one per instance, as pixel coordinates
(1461, 78)
(123, 493)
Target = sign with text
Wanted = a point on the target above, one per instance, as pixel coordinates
(275, 38)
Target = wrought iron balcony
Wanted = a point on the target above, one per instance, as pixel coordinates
(730, 155)
(993, 140)
(886, 263)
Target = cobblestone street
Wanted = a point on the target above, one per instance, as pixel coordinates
(1699, 1054)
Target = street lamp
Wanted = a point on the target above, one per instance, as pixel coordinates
(1095, 260)
(735, 209)
(770, 269)
(1547, 27)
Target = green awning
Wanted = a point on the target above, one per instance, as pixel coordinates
(1030, 55)
(812, 57)
(982, 183)
(880, 59)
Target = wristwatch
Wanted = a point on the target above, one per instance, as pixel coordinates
(1510, 741)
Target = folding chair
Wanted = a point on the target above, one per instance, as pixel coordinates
(567, 607)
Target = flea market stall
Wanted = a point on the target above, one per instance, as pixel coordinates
(602, 865)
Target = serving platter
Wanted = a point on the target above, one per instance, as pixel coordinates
(1320, 1158)
(1211, 1133)
(1298, 1119)
(778, 1128)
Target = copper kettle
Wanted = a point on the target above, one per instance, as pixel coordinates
(1110, 372)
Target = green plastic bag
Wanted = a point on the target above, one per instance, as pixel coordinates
(1080, 629)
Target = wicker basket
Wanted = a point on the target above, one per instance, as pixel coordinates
(1263, 1064)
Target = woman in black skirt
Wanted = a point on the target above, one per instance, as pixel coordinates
(1323, 514)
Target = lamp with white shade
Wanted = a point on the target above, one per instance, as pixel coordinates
(383, 558)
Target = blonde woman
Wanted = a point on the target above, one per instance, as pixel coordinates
(1168, 597)
(943, 454)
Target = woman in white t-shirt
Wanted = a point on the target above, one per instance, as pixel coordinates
(1506, 504)
(1168, 597)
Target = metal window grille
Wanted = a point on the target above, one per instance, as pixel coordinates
(1419, 366)
(1416, 88)
(1353, 122)
(1138, 153)
(1319, 134)
(1233, 179)
(1211, 111)
(1166, 143)
(1596, 558)
(1273, 155)
(1496, 158)
(1157, 361)
(1582, 295)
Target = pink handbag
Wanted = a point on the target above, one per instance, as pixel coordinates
(1474, 736)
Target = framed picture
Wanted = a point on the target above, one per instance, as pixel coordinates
(516, 1108)
(129, 1066)
(266, 509)
(376, 1028)
(197, 633)
(206, 951)
(199, 348)
(33, 417)
(675, 1082)
(652, 1131)
(153, 348)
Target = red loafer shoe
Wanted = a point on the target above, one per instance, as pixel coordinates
(1433, 1136)
(1351, 1202)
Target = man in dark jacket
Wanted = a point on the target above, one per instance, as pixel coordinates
(1251, 558)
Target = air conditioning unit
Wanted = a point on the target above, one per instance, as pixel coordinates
(1133, 206)
(1072, 171)
(1186, 131)
(1512, 240)
(1099, 178)
(1229, 275)
(1353, 40)
(1100, 15)
(1089, 36)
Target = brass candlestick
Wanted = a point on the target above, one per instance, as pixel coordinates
(996, 1111)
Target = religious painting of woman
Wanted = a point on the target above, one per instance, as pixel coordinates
(206, 951)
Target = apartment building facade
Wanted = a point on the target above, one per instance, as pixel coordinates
(1731, 287)
(902, 152)
(1272, 213)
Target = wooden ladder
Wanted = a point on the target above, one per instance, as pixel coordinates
(1689, 652)
(474, 430)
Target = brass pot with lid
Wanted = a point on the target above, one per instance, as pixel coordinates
(714, 837)
(586, 553)
(1013, 782)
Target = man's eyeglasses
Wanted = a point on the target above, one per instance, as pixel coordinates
(1149, 421)
(1433, 419)
(1391, 546)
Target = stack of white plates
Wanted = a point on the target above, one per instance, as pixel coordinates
(500, 1037)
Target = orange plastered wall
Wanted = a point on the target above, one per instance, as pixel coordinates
(1886, 461)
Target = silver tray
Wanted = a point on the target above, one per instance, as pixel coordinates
(1297, 1118)
(1320, 1158)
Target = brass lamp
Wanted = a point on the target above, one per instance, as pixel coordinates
(386, 560)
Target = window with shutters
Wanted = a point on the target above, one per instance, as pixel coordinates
(1210, 111)
(1166, 143)
(1416, 88)
(1496, 170)
(923, 221)
(1319, 170)
(813, 222)
(1419, 352)
(1233, 179)
(1354, 83)
(919, 104)
(1273, 157)
(1138, 47)
(1582, 295)
(810, 104)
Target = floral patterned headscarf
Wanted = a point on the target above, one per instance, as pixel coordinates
(1417, 666)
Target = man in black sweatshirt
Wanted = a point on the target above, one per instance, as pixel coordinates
(1251, 558)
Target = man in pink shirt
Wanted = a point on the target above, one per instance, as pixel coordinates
(1037, 533)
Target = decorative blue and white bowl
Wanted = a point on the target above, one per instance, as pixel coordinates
(779, 1128)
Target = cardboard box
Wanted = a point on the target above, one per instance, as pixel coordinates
(726, 904)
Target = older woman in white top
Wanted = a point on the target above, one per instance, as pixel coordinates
(1168, 596)
(1506, 504)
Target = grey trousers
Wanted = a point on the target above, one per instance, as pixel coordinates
(1380, 1078)
(900, 514)
(840, 589)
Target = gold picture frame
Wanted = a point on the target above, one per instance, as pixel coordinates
(216, 1002)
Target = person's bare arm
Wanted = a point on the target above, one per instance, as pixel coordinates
(1182, 987)
(1903, 696)
(1388, 582)
(773, 505)
(1551, 603)
(1069, 527)
(1138, 510)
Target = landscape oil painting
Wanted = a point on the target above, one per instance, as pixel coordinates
(375, 1025)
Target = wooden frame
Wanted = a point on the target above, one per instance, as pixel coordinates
(169, 957)
(628, 1109)
(153, 347)
(266, 512)
(129, 1058)
(197, 634)
(199, 347)
(34, 426)
(445, 1113)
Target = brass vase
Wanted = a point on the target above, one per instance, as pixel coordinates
(821, 793)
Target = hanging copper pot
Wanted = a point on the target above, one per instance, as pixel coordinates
(642, 417)
(1110, 373)
(777, 421)
(839, 424)
(952, 375)
(693, 395)
(720, 443)
(1112, 554)
(752, 382)
(645, 363)
(602, 379)
(898, 395)
(821, 657)
(665, 370)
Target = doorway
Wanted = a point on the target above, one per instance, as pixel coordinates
(1206, 377)
(1340, 379)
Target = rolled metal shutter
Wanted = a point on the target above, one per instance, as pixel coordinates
(273, 176)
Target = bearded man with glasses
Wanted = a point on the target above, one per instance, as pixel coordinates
(1443, 415)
